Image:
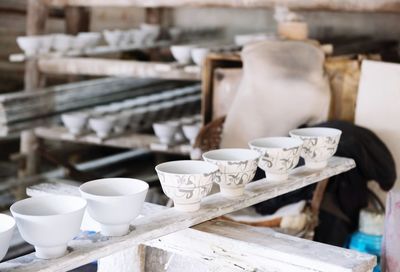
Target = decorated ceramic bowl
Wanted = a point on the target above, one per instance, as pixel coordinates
(187, 182)
(114, 202)
(320, 144)
(49, 222)
(279, 155)
(237, 168)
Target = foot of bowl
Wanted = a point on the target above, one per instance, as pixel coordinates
(114, 230)
(190, 207)
(50, 252)
(316, 165)
(232, 192)
(276, 177)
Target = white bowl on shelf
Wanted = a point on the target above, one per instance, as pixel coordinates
(75, 122)
(320, 144)
(138, 37)
(182, 53)
(112, 37)
(126, 38)
(7, 226)
(49, 222)
(187, 182)
(151, 32)
(29, 44)
(165, 132)
(237, 167)
(46, 43)
(191, 132)
(63, 42)
(279, 155)
(199, 54)
(114, 202)
(102, 126)
(86, 40)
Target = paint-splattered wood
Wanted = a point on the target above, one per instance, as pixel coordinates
(338, 5)
(110, 67)
(92, 247)
(238, 247)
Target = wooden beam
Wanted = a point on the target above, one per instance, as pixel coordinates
(77, 19)
(333, 5)
(121, 68)
(89, 248)
(236, 247)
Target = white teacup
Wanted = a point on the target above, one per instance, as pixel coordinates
(29, 44)
(103, 126)
(114, 202)
(237, 168)
(279, 155)
(75, 122)
(49, 222)
(320, 144)
(187, 182)
(7, 226)
(199, 55)
(182, 53)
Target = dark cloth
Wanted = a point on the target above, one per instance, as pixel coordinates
(349, 190)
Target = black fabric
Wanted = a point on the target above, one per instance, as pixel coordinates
(374, 162)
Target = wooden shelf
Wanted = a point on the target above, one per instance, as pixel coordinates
(334, 5)
(90, 247)
(122, 68)
(127, 140)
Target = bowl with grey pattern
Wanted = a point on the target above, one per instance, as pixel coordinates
(186, 182)
(237, 167)
(320, 144)
(279, 155)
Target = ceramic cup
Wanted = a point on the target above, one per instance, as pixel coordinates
(112, 37)
(46, 43)
(138, 37)
(191, 132)
(114, 202)
(199, 55)
(49, 222)
(7, 226)
(279, 155)
(86, 39)
(182, 53)
(103, 126)
(63, 42)
(29, 44)
(320, 144)
(75, 122)
(166, 131)
(187, 182)
(151, 32)
(237, 168)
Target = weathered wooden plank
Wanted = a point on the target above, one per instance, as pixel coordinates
(336, 5)
(92, 247)
(121, 68)
(238, 247)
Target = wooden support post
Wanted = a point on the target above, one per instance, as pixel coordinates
(77, 19)
(35, 24)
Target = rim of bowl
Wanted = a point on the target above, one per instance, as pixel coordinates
(84, 187)
(248, 153)
(291, 142)
(7, 222)
(15, 208)
(312, 132)
(165, 167)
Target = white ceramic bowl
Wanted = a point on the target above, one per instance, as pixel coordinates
(112, 37)
(86, 39)
(75, 122)
(46, 43)
(182, 53)
(138, 37)
(320, 144)
(237, 168)
(49, 222)
(279, 155)
(199, 55)
(7, 226)
(191, 132)
(187, 182)
(63, 42)
(29, 44)
(151, 32)
(126, 38)
(114, 202)
(103, 126)
(166, 132)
